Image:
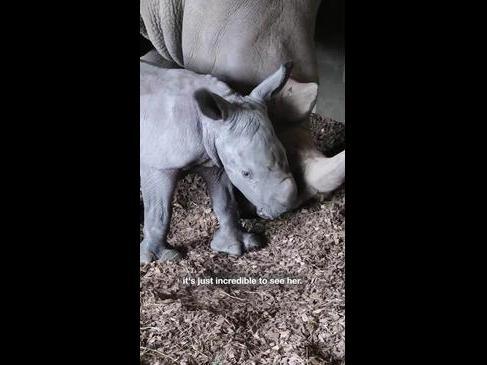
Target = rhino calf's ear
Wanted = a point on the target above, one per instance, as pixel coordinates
(273, 84)
(212, 105)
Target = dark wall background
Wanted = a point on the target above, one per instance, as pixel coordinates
(330, 54)
(145, 46)
(330, 21)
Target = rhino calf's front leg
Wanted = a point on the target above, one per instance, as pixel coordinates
(157, 192)
(230, 237)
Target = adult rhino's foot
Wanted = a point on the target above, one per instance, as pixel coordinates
(149, 253)
(323, 174)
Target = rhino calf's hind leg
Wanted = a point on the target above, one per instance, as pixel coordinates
(157, 192)
(230, 237)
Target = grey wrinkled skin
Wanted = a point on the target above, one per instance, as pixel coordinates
(196, 122)
(241, 42)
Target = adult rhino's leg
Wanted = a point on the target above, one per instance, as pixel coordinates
(314, 172)
(230, 238)
(290, 111)
(157, 192)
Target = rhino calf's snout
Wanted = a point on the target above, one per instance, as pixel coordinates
(287, 191)
(282, 199)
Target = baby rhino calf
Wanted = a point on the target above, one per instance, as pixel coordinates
(196, 122)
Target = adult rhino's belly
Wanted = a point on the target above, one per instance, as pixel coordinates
(244, 44)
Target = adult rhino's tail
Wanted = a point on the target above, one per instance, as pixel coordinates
(161, 22)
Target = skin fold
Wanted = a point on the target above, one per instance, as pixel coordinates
(241, 42)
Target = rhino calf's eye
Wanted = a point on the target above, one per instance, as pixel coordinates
(246, 173)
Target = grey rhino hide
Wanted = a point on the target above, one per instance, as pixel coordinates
(241, 42)
(195, 122)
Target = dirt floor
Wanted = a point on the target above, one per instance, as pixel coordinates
(291, 323)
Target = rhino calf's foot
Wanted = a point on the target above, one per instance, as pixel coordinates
(149, 253)
(235, 244)
(227, 242)
(169, 254)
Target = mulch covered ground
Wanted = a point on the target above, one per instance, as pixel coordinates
(300, 323)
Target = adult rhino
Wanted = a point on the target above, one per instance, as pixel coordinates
(241, 42)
